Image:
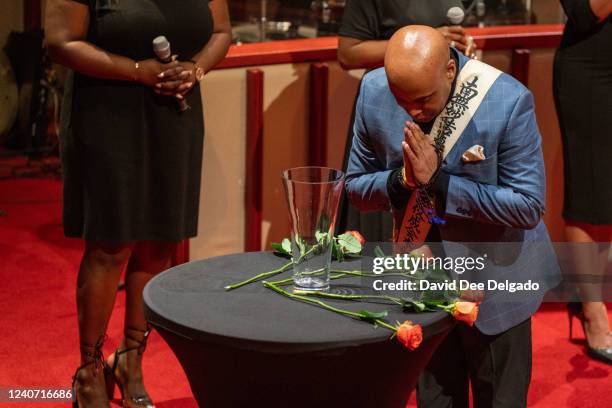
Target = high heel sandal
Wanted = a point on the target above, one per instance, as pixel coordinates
(93, 355)
(574, 309)
(135, 401)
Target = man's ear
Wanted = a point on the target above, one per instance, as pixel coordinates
(451, 69)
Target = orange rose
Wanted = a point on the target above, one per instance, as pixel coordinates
(359, 237)
(465, 311)
(410, 335)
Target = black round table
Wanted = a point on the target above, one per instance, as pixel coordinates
(252, 347)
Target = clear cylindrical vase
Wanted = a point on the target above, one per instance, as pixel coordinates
(313, 194)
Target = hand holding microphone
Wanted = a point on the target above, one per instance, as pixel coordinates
(148, 71)
(455, 36)
(165, 79)
(170, 80)
(454, 32)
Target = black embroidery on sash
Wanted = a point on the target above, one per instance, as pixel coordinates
(455, 109)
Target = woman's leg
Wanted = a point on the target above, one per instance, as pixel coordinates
(147, 260)
(596, 325)
(96, 289)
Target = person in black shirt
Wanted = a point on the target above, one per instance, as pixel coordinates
(366, 27)
(368, 24)
(582, 88)
(131, 161)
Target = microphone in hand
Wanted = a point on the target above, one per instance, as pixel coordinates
(161, 47)
(455, 15)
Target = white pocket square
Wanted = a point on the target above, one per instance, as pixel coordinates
(473, 154)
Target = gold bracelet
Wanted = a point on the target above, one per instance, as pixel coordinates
(404, 180)
(136, 67)
(198, 71)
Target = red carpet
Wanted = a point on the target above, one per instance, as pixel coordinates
(39, 340)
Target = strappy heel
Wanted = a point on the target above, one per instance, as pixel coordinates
(93, 355)
(136, 401)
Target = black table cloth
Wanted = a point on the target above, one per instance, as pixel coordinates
(253, 347)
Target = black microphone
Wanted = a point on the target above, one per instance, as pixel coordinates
(161, 47)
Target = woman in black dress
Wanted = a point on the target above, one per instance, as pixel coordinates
(131, 160)
(583, 94)
(366, 27)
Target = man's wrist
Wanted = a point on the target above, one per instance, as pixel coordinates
(397, 191)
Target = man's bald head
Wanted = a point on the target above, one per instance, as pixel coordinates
(420, 70)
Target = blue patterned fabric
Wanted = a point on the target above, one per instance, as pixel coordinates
(499, 199)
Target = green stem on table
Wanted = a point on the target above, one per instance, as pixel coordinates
(349, 297)
(289, 264)
(341, 273)
(271, 273)
(324, 305)
(260, 276)
(417, 306)
(368, 274)
(387, 325)
(290, 280)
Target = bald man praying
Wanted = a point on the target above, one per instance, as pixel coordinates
(438, 134)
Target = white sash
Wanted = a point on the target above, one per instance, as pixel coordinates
(474, 81)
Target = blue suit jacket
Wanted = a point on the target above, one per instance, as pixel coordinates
(497, 200)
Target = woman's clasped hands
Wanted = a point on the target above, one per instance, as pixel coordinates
(175, 78)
